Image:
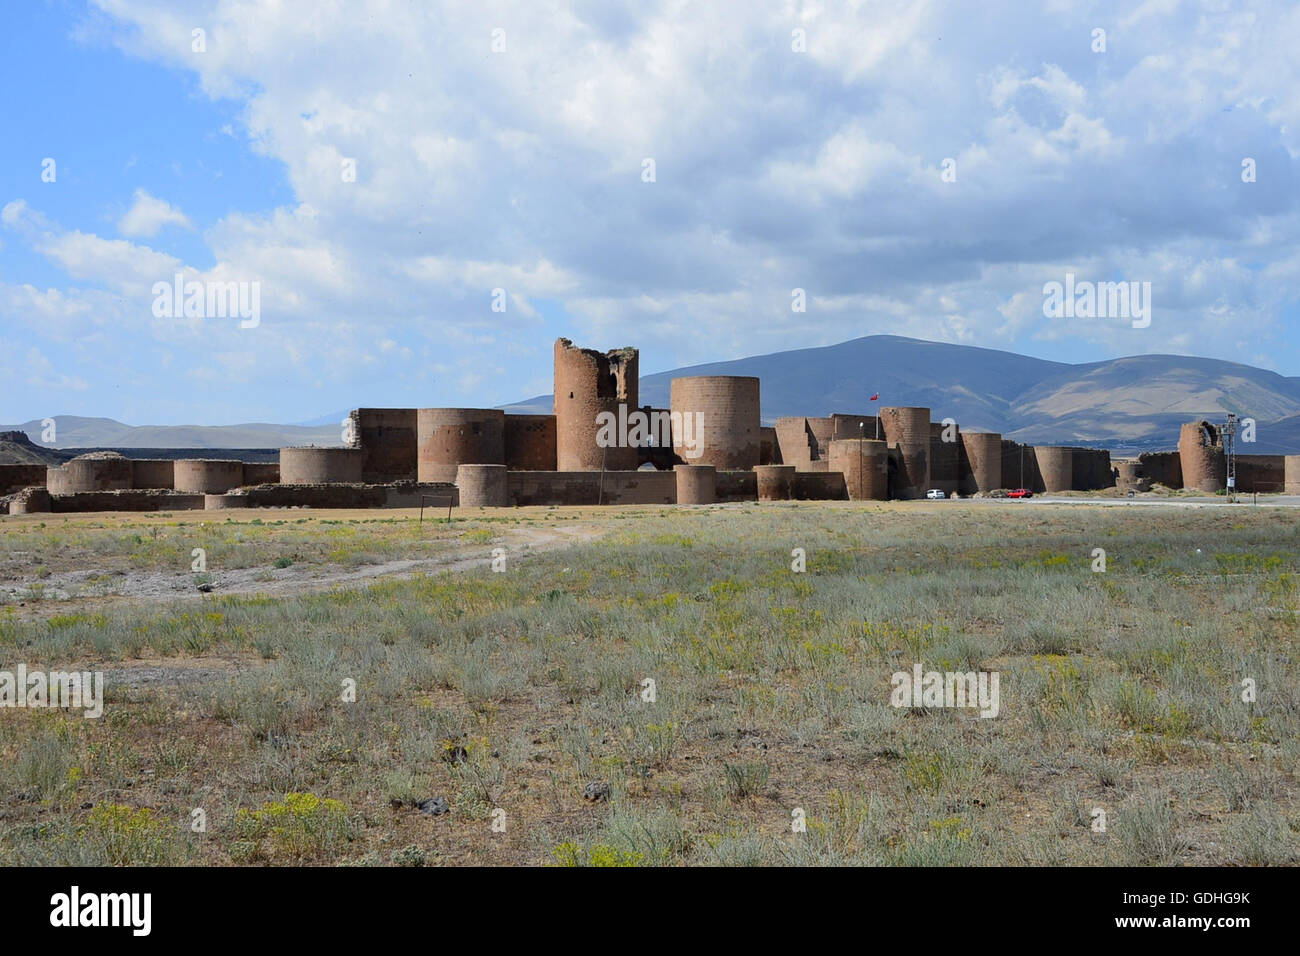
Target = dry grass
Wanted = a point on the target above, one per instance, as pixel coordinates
(514, 691)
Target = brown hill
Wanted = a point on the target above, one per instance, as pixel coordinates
(17, 449)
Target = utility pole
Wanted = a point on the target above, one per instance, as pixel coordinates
(1230, 454)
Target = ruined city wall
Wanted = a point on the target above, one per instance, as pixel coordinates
(793, 441)
(530, 442)
(15, 477)
(1019, 466)
(820, 486)
(945, 458)
(389, 439)
(737, 485)
(769, 452)
(153, 473)
(727, 408)
(1262, 473)
(1163, 467)
(31, 500)
(126, 500)
(261, 472)
(585, 488)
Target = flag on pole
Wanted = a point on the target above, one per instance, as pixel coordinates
(874, 397)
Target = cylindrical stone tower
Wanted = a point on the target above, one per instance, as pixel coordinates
(388, 436)
(865, 465)
(94, 471)
(984, 455)
(696, 484)
(318, 466)
(482, 486)
(723, 415)
(1055, 467)
(1201, 452)
(449, 437)
(908, 430)
(588, 383)
(207, 476)
(775, 482)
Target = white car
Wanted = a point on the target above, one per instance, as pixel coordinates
(935, 493)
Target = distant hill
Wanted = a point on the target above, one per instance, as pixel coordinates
(17, 448)
(75, 432)
(1126, 404)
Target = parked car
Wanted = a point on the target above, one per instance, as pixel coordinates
(935, 493)
(1020, 493)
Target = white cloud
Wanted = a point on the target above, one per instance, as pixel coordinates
(148, 215)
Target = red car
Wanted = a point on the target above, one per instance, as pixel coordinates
(1020, 493)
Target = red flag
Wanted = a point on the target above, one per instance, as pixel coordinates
(874, 397)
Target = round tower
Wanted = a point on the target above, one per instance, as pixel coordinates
(908, 430)
(449, 437)
(696, 484)
(1055, 467)
(865, 466)
(317, 466)
(775, 482)
(482, 486)
(719, 414)
(983, 452)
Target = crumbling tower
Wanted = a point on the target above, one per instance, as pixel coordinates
(587, 383)
(1201, 451)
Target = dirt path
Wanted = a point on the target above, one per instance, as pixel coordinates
(92, 585)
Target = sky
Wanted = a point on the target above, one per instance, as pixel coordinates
(424, 195)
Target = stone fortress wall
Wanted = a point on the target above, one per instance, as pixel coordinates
(482, 457)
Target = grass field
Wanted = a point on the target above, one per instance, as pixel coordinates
(516, 695)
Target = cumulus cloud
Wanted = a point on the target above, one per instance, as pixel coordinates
(148, 215)
(775, 168)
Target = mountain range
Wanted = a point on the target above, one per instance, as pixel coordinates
(1128, 405)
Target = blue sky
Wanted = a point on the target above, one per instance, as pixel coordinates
(521, 168)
